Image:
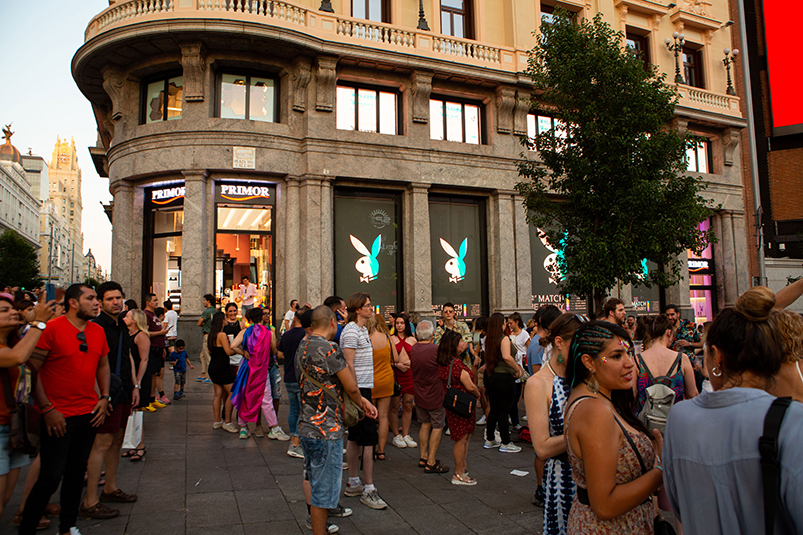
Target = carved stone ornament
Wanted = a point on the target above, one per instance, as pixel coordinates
(700, 7)
(301, 76)
(113, 82)
(730, 140)
(520, 112)
(193, 62)
(325, 83)
(422, 89)
(505, 102)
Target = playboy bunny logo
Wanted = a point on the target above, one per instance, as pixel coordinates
(551, 261)
(368, 265)
(456, 266)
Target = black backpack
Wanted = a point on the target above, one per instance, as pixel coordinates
(770, 461)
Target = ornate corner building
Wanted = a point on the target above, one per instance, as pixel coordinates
(331, 147)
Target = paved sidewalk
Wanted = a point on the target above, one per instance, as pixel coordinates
(197, 480)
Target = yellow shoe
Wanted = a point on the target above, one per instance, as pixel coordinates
(148, 408)
(158, 403)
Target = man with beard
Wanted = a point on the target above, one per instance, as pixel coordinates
(613, 311)
(70, 357)
(685, 336)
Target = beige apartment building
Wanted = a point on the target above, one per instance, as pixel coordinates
(331, 147)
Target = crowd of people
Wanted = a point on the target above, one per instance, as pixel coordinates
(614, 407)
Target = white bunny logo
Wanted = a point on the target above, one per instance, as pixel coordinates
(551, 261)
(456, 266)
(368, 265)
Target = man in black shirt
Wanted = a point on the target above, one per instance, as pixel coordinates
(109, 438)
(288, 346)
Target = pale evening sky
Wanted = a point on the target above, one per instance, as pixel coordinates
(39, 95)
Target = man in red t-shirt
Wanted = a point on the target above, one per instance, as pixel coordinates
(71, 356)
(156, 358)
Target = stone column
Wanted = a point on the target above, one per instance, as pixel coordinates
(731, 288)
(502, 285)
(123, 256)
(196, 263)
(524, 278)
(679, 293)
(327, 239)
(292, 248)
(310, 240)
(719, 266)
(417, 254)
(740, 248)
(137, 242)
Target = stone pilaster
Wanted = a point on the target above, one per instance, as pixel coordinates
(417, 253)
(524, 278)
(679, 293)
(502, 285)
(123, 255)
(740, 248)
(292, 249)
(196, 263)
(327, 239)
(311, 240)
(728, 259)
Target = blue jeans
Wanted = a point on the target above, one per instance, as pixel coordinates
(275, 382)
(294, 396)
(324, 469)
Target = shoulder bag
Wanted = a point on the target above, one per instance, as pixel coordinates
(459, 402)
(770, 461)
(23, 418)
(115, 382)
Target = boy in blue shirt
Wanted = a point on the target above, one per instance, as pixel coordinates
(179, 360)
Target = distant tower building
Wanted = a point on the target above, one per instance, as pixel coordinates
(19, 209)
(65, 194)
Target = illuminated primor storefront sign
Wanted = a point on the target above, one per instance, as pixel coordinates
(245, 193)
(164, 196)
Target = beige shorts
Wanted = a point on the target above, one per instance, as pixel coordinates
(436, 417)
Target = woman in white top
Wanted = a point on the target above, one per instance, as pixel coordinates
(519, 340)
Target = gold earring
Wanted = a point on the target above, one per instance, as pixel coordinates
(716, 372)
(593, 385)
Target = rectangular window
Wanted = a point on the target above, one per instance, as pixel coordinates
(455, 121)
(693, 67)
(163, 99)
(455, 18)
(638, 45)
(367, 110)
(698, 157)
(367, 240)
(547, 13)
(375, 10)
(543, 123)
(248, 97)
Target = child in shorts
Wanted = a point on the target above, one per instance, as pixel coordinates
(179, 360)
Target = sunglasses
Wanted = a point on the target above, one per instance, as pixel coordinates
(582, 318)
(82, 338)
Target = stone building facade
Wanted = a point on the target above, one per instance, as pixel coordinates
(19, 208)
(325, 152)
(64, 177)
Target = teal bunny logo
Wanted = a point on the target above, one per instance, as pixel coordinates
(456, 266)
(367, 265)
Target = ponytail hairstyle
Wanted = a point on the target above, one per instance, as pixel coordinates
(592, 339)
(748, 337)
(564, 326)
(493, 341)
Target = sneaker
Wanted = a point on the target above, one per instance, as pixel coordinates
(200, 379)
(217, 425)
(355, 490)
(158, 403)
(330, 528)
(448, 432)
(148, 408)
(340, 511)
(399, 442)
(490, 445)
(497, 436)
(296, 451)
(244, 433)
(231, 427)
(259, 432)
(176, 396)
(206, 380)
(276, 433)
(410, 442)
(524, 417)
(538, 497)
(372, 500)
(481, 421)
(345, 465)
(164, 400)
(509, 448)
(74, 531)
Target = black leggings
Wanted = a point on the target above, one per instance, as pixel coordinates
(501, 390)
(514, 409)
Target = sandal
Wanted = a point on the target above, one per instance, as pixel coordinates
(128, 453)
(464, 480)
(379, 456)
(436, 468)
(44, 522)
(53, 509)
(137, 456)
(422, 462)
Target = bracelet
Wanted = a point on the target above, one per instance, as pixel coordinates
(46, 405)
(659, 467)
(50, 409)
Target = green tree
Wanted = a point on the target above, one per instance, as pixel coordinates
(611, 189)
(19, 262)
(91, 281)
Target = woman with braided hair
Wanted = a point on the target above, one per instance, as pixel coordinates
(615, 461)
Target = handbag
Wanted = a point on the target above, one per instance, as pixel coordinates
(133, 431)
(352, 412)
(23, 418)
(459, 402)
(397, 390)
(115, 383)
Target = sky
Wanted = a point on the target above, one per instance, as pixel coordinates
(39, 96)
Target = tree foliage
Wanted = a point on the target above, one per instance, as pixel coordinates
(612, 188)
(19, 261)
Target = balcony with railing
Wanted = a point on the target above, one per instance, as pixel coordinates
(707, 100)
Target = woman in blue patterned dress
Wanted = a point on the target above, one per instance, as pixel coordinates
(545, 397)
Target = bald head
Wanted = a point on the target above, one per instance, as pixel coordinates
(322, 316)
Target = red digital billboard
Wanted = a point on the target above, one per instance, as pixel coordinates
(783, 62)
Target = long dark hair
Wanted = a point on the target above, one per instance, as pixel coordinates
(447, 349)
(216, 327)
(406, 320)
(14, 335)
(591, 339)
(493, 341)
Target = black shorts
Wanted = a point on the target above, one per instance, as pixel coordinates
(366, 432)
(156, 360)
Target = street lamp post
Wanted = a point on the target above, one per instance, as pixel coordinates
(422, 21)
(730, 57)
(676, 47)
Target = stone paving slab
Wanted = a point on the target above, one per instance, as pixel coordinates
(196, 480)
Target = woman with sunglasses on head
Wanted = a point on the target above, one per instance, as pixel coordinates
(615, 461)
(545, 398)
(137, 324)
(714, 477)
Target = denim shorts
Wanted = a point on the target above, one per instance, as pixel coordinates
(324, 469)
(181, 377)
(275, 382)
(9, 460)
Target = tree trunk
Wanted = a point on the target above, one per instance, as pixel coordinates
(599, 299)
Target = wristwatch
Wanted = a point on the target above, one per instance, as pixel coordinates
(138, 386)
(38, 325)
(108, 398)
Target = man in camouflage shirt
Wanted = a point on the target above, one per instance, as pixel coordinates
(460, 327)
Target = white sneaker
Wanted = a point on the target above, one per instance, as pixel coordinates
(489, 445)
(231, 427)
(217, 425)
(410, 442)
(296, 451)
(399, 442)
(372, 500)
(509, 448)
(497, 436)
(276, 433)
(524, 417)
(481, 421)
(245, 433)
(74, 531)
(330, 528)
